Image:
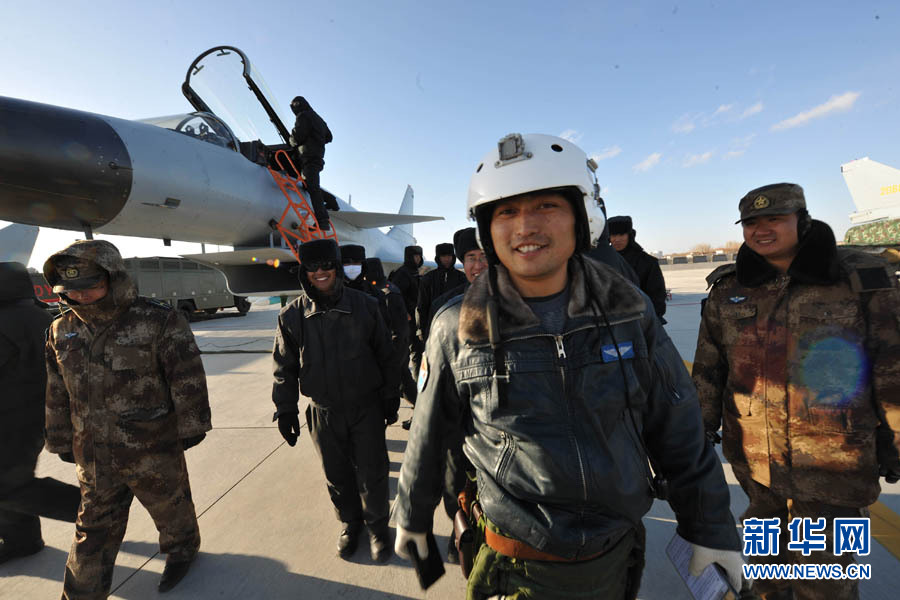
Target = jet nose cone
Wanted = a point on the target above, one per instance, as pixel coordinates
(60, 167)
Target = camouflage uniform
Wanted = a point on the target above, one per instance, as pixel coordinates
(800, 369)
(125, 386)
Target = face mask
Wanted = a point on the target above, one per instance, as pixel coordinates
(352, 271)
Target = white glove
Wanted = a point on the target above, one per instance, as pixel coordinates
(404, 537)
(730, 560)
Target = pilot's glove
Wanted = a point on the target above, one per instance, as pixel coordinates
(890, 474)
(404, 537)
(730, 560)
(67, 457)
(289, 426)
(192, 441)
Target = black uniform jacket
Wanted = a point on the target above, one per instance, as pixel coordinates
(337, 355)
(558, 463)
(649, 274)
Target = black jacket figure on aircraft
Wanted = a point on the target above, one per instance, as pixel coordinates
(437, 282)
(310, 134)
(23, 379)
(621, 235)
(331, 344)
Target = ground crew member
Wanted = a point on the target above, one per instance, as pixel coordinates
(465, 244)
(332, 344)
(564, 384)
(435, 283)
(602, 251)
(393, 309)
(126, 396)
(406, 277)
(352, 258)
(310, 134)
(621, 236)
(798, 359)
(23, 379)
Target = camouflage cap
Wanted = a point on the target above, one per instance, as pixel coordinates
(774, 199)
(76, 274)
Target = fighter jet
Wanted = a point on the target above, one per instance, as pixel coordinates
(17, 242)
(875, 190)
(205, 176)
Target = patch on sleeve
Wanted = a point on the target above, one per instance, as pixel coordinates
(423, 375)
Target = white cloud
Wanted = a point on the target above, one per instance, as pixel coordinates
(686, 123)
(648, 163)
(733, 154)
(606, 153)
(752, 110)
(693, 160)
(723, 108)
(571, 135)
(835, 104)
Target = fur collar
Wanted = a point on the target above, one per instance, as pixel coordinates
(816, 262)
(619, 297)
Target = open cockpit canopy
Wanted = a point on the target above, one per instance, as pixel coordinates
(222, 81)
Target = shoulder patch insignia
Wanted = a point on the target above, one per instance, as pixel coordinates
(423, 375)
(737, 299)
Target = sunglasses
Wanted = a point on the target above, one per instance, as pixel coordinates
(324, 265)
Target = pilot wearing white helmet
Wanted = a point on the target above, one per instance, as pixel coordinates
(566, 390)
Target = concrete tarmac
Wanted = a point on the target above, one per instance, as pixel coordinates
(268, 528)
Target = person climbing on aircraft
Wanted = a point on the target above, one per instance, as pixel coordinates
(310, 134)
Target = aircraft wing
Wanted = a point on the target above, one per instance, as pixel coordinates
(370, 220)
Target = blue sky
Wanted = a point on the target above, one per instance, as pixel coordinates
(688, 104)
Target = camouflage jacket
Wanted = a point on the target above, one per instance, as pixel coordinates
(129, 381)
(801, 368)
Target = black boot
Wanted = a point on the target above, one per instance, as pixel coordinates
(348, 539)
(175, 570)
(380, 544)
(9, 551)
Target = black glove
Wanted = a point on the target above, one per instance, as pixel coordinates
(391, 406)
(390, 419)
(192, 441)
(890, 474)
(289, 426)
(67, 457)
(713, 437)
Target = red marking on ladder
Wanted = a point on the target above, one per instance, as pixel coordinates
(306, 228)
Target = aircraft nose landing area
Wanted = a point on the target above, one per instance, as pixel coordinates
(267, 524)
(64, 169)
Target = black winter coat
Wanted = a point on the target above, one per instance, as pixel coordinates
(435, 283)
(337, 356)
(649, 274)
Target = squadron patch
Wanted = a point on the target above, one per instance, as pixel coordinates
(626, 350)
(761, 202)
(70, 335)
(423, 375)
(737, 299)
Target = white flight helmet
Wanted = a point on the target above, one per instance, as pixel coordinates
(528, 163)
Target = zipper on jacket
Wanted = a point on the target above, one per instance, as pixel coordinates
(561, 352)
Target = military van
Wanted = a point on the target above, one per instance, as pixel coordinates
(186, 285)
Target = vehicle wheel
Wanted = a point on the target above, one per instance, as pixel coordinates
(242, 304)
(187, 311)
(210, 311)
